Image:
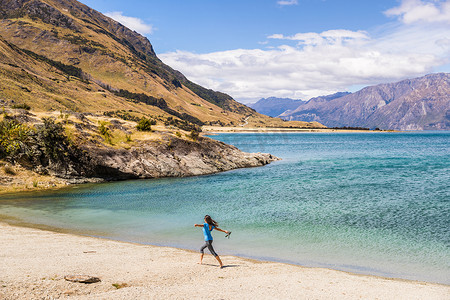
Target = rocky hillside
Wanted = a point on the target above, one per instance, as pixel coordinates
(413, 104)
(63, 55)
(84, 98)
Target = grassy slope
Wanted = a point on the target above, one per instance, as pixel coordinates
(101, 48)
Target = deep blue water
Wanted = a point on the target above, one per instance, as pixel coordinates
(372, 203)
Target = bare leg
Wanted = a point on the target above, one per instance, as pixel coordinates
(220, 262)
(201, 259)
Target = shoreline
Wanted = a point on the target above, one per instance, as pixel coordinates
(117, 262)
(217, 130)
(15, 222)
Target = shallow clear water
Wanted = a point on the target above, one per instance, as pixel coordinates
(372, 203)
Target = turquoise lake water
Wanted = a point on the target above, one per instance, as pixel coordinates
(370, 203)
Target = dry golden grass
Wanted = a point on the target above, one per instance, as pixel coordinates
(47, 89)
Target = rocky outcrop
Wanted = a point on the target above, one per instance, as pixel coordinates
(172, 157)
(413, 104)
(44, 146)
(169, 157)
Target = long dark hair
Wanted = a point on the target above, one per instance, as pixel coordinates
(210, 221)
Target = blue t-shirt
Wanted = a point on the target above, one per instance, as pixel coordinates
(207, 232)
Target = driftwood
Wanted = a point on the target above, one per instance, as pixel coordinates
(82, 278)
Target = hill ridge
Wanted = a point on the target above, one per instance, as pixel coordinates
(111, 55)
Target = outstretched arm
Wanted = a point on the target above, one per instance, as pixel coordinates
(217, 228)
(198, 225)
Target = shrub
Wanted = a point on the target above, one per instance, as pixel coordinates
(194, 135)
(13, 137)
(42, 146)
(22, 106)
(105, 132)
(124, 115)
(176, 83)
(144, 125)
(182, 124)
(50, 136)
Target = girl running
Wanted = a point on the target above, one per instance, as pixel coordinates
(209, 226)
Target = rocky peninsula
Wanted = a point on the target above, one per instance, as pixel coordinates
(72, 148)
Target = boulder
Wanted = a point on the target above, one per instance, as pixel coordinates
(82, 278)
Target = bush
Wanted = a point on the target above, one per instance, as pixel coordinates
(105, 132)
(13, 138)
(41, 147)
(22, 106)
(51, 139)
(194, 135)
(122, 114)
(144, 125)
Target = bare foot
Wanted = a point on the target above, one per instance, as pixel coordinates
(199, 263)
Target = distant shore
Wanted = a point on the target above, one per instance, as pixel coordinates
(35, 263)
(216, 129)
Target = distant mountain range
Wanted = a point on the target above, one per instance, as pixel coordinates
(413, 104)
(275, 106)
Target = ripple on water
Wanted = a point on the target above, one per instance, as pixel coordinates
(368, 203)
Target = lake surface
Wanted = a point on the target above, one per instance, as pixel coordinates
(370, 203)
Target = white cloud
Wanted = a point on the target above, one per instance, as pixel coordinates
(313, 38)
(310, 64)
(132, 23)
(287, 2)
(411, 11)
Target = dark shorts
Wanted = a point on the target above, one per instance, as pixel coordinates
(210, 248)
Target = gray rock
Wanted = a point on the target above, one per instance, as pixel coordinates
(82, 278)
(173, 157)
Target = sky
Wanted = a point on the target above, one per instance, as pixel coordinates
(298, 49)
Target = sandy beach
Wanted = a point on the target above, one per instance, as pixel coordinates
(34, 263)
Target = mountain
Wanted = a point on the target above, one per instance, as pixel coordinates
(63, 55)
(85, 99)
(273, 106)
(413, 104)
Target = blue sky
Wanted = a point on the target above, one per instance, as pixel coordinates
(287, 48)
